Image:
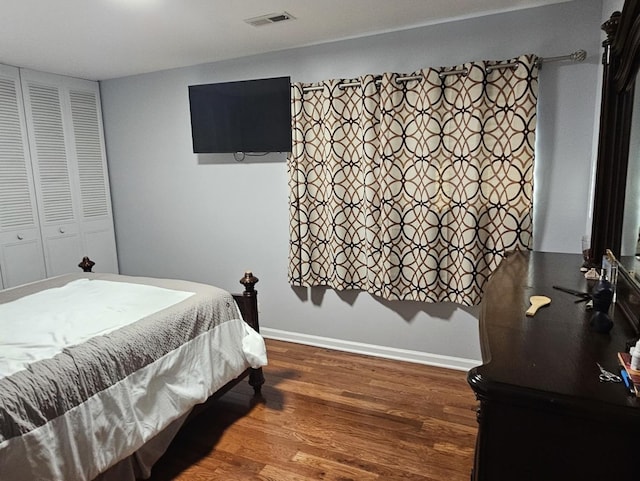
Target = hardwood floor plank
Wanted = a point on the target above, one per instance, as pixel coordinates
(335, 469)
(333, 416)
(272, 473)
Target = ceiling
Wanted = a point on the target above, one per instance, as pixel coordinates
(102, 39)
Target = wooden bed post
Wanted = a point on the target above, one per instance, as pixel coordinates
(86, 265)
(248, 304)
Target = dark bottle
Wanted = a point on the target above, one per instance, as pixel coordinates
(602, 296)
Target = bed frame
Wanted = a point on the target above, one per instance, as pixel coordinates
(248, 305)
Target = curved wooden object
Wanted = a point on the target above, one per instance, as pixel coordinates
(544, 414)
(536, 303)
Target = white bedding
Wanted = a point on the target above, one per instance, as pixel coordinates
(116, 422)
(85, 410)
(41, 325)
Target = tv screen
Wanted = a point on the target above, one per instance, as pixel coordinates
(244, 116)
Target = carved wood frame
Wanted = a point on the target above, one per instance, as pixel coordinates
(621, 61)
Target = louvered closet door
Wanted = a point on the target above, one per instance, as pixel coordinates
(21, 255)
(96, 224)
(67, 152)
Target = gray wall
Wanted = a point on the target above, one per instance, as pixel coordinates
(207, 217)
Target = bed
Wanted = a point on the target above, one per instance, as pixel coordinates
(100, 395)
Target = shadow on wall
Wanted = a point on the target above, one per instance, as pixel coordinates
(407, 310)
(242, 158)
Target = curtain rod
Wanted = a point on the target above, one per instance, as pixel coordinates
(577, 56)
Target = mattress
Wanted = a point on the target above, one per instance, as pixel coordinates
(100, 398)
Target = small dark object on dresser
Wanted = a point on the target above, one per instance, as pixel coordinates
(602, 297)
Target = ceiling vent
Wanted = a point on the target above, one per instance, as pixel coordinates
(269, 19)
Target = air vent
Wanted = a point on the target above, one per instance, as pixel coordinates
(269, 19)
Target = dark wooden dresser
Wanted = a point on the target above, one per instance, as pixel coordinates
(544, 415)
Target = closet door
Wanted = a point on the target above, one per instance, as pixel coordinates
(92, 180)
(67, 153)
(21, 255)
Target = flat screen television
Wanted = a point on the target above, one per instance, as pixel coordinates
(243, 116)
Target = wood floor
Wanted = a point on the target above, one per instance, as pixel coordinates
(329, 415)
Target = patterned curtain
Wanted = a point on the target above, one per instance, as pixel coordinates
(412, 189)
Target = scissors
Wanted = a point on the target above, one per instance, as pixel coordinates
(584, 296)
(606, 376)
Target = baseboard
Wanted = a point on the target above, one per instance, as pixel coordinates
(438, 360)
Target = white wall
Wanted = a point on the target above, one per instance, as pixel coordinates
(207, 217)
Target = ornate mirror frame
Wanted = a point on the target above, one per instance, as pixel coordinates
(621, 60)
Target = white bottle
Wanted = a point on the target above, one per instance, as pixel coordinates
(635, 357)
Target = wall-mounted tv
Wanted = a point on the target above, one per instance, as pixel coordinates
(243, 116)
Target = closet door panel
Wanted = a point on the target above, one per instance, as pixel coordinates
(96, 224)
(21, 253)
(19, 265)
(49, 142)
(61, 252)
(71, 169)
(100, 244)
